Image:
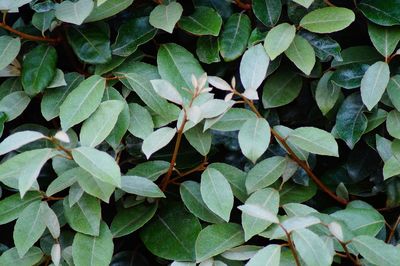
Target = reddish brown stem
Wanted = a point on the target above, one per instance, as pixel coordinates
(393, 230)
(348, 255)
(290, 242)
(115, 77)
(28, 36)
(329, 3)
(294, 157)
(242, 5)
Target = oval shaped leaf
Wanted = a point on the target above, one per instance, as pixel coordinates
(327, 19)
(157, 140)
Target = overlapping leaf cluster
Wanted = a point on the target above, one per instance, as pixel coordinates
(203, 132)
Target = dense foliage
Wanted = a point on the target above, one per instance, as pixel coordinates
(263, 132)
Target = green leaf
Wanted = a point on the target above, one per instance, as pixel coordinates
(351, 121)
(84, 216)
(176, 64)
(294, 193)
(207, 49)
(374, 83)
(281, 88)
(25, 167)
(38, 69)
(265, 173)
(349, 76)
(385, 39)
(243, 252)
(14, 104)
(393, 124)
(294, 223)
(108, 9)
(82, 101)
(267, 11)
(167, 91)
(166, 16)
(216, 193)
(393, 90)
(98, 163)
(29, 227)
(327, 19)
(301, 53)
(382, 13)
(253, 67)
(51, 220)
(357, 55)
(98, 250)
(43, 21)
(327, 93)
(305, 3)
(100, 124)
(191, 197)
(9, 48)
(11, 256)
(217, 238)
(93, 186)
(314, 140)
(129, 220)
(254, 137)
(234, 37)
(157, 140)
(91, 43)
(362, 221)
(141, 124)
(18, 140)
(232, 120)
(52, 99)
(324, 46)
(151, 169)
(12, 206)
(279, 39)
(204, 21)
(376, 251)
(200, 140)
(141, 186)
(172, 233)
(268, 256)
(74, 12)
(311, 248)
(63, 181)
(131, 35)
(265, 198)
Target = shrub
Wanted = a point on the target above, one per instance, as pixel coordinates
(157, 132)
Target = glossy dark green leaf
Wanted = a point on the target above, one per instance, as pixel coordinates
(349, 76)
(204, 21)
(91, 43)
(207, 49)
(382, 13)
(151, 170)
(234, 37)
(172, 233)
(38, 69)
(131, 35)
(324, 46)
(268, 12)
(357, 54)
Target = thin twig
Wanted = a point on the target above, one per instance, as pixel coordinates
(294, 157)
(242, 5)
(290, 242)
(393, 230)
(329, 3)
(199, 168)
(353, 260)
(28, 36)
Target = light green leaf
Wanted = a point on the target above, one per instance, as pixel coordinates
(254, 137)
(314, 140)
(166, 16)
(234, 37)
(268, 256)
(393, 90)
(232, 120)
(267, 199)
(376, 251)
(373, 84)
(217, 238)
(98, 163)
(100, 124)
(12, 206)
(265, 173)
(305, 3)
(167, 90)
(9, 48)
(18, 140)
(29, 227)
(84, 216)
(150, 169)
(391, 168)
(267, 11)
(82, 101)
(244, 252)
(301, 53)
(279, 39)
(157, 140)
(93, 186)
(65, 180)
(253, 67)
(216, 193)
(393, 124)
(58, 79)
(191, 197)
(204, 21)
(74, 12)
(51, 221)
(14, 104)
(385, 39)
(327, 19)
(93, 250)
(327, 93)
(11, 256)
(129, 220)
(141, 186)
(108, 9)
(141, 124)
(294, 223)
(200, 140)
(311, 248)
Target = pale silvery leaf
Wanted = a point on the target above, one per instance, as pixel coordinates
(18, 140)
(259, 212)
(253, 67)
(166, 90)
(74, 13)
(157, 140)
(62, 136)
(219, 83)
(58, 80)
(56, 254)
(336, 230)
(214, 108)
(166, 16)
(194, 114)
(250, 94)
